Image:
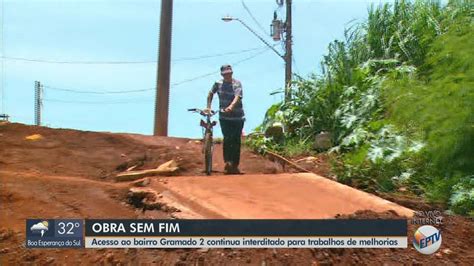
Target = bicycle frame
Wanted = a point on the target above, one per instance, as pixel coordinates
(208, 124)
(208, 144)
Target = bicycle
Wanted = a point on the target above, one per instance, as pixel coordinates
(208, 145)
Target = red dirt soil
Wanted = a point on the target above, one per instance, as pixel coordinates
(69, 174)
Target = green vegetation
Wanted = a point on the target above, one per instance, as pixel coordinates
(397, 96)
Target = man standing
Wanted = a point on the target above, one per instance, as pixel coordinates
(231, 117)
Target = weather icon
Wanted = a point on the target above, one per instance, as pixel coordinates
(40, 227)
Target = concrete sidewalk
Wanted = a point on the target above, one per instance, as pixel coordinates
(280, 196)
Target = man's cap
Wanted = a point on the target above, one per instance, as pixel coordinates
(225, 69)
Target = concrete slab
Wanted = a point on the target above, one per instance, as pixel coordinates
(281, 196)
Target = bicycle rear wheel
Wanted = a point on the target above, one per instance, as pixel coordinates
(208, 153)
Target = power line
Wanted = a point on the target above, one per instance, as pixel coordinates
(97, 92)
(251, 57)
(88, 62)
(34, 60)
(214, 72)
(215, 55)
(193, 79)
(254, 19)
(148, 89)
(138, 100)
(296, 66)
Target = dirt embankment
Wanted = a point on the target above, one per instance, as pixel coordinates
(68, 174)
(98, 155)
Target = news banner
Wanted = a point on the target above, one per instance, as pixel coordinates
(144, 233)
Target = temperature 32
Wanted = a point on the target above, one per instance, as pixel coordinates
(67, 227)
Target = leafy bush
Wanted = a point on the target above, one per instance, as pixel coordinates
(439, 102)
(397, 96)
(462, 198)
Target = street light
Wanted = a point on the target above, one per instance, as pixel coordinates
(288, 54)
(229, 18)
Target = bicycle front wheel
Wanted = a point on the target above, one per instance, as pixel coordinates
(208, 153)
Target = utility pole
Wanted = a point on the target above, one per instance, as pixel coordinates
(163, 72)
(38, 103)
(276, 33)
(288, 53)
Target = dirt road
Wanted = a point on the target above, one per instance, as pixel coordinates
(69, 174)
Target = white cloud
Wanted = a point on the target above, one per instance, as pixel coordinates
(39, 226)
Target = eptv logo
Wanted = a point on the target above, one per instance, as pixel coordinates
(427, 239)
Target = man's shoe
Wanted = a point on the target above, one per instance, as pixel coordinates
(228, 168)
(235, 170)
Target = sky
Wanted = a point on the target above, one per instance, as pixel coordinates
(109, 31)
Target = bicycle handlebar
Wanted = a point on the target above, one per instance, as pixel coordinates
(201, 112)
